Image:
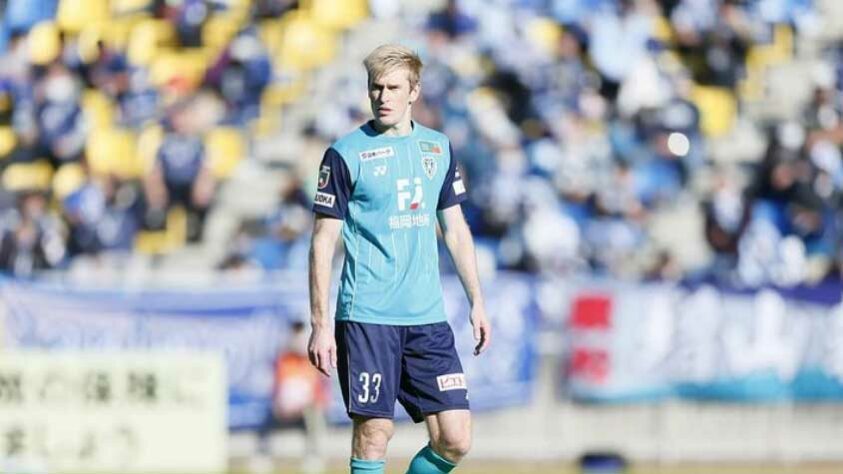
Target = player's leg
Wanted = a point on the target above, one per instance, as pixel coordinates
(433, 390)
(369, 368)
(368, 444)
(450, 440)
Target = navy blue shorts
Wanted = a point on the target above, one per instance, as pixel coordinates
(416, 365)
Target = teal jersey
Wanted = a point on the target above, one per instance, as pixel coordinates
(387, 190)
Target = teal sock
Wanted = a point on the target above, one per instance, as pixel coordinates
(365, 466)
(428, 462)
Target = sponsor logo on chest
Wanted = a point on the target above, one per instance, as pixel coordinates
(427, 146)
(384, 152)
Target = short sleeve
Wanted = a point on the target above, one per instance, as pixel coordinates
(333, 186)
(453, 188)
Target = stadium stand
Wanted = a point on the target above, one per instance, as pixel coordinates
(637, 139)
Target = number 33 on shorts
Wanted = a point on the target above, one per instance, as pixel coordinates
(370, 387)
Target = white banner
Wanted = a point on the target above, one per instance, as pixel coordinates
(126, 412)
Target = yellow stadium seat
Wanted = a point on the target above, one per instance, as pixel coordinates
(117, 31)
(762, 56)
(544, 33)
(87, 42)
(277, 95)
(337, 14)
(8, 140)
(267, 123)
(98, 109)
(176, 227)
(663, 30)
(113, 151)
(149, 141)
(171, 238)
(219, 30)
(147, 38)
(43, 43)
(28, 176)
(270, 33)
(718, 109)
(128, 7)
(73, 15)
(304, 43)
(186, 66)
(225, 147)
(67, 179)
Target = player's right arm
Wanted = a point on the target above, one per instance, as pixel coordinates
(322, 348)
(330, 204)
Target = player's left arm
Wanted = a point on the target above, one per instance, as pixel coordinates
(460, 244)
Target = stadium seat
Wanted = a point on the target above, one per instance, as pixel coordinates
(266, 124)
(113, 151)
(28, 176)
(760, 57)
(183, 69)
(278, 95)
(149, 141)
(98, 109)
(270, 32)
(171, 238)
(718, 109)
(67, 179)
(663, 30)
(87, 42)
(219, 30)
(304, 44)
(544, 33)
(117, 31)
(73, 15)
(336, 14)
(129, 7)
(44, 43)
(225, 148)
(147, 38)
(8, 140)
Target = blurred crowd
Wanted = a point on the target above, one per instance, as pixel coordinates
(581, 125)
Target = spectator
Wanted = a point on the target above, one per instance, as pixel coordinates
(61, 124)
(32, 240)
(103, 215)
(300, 397)
(180, 176)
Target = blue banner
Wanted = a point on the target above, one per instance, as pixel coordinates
(648, 342)
(250, 325)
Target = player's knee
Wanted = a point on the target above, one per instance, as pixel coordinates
(371, 438)
(453, 444)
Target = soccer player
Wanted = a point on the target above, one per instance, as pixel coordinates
(384, 186)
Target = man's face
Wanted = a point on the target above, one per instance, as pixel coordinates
(390, 96)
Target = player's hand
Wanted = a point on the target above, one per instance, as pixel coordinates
(322, 350)
(482, 328)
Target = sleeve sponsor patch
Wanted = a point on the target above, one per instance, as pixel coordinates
(459, 188)
(383, 152)
(451, 382)
(324, 199)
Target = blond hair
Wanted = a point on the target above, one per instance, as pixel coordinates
(387, 57)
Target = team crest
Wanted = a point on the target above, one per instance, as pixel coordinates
(324, 177)
(429, 166)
